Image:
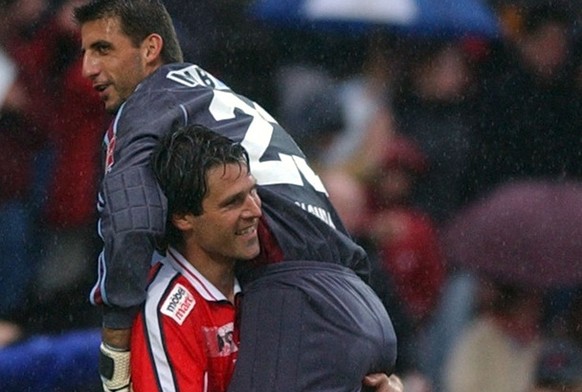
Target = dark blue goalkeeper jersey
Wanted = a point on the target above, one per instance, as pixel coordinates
(299, 223)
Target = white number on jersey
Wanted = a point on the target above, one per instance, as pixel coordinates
(288, 168)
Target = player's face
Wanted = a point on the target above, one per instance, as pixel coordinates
(227, 228)
(111, 61)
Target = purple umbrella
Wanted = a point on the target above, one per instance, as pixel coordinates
(525, 233)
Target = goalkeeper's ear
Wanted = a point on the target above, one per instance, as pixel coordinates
(114, 369)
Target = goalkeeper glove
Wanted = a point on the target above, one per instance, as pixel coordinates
(114, 369)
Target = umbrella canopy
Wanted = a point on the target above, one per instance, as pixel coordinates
(524, 233)
(416, 17)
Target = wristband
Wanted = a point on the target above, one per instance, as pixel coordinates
(114, 368)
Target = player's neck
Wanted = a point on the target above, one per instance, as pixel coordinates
(221, 276)
(218, 272)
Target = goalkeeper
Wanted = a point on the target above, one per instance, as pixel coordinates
(133, 59)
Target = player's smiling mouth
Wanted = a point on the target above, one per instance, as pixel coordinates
(248, 230)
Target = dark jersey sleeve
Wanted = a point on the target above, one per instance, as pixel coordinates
(299, 216)
(132, 207)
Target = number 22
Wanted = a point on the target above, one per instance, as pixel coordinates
(286, 170)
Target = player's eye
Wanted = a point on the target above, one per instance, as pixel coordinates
(102, 48)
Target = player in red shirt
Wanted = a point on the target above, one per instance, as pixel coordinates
(184, 339)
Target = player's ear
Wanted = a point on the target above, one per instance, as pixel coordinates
(182, 222)
(152, 48)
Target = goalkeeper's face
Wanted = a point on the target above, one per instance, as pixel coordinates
(226, 231)
(112, 62)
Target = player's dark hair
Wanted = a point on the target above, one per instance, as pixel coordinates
(181, 162)
(138, 19)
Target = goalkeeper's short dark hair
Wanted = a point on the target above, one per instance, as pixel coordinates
(138, 19)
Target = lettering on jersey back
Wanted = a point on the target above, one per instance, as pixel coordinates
(178, 304)
(319, 212)
(193, 76)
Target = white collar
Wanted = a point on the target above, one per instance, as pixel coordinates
(208, 291)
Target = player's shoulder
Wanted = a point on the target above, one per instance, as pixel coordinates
(173, 295)
(169, 87)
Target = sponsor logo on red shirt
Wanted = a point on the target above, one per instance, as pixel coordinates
(178, 304)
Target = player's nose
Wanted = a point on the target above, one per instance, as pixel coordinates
(91, 66)
(253, 206)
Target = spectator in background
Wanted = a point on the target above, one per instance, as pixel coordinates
(529, 107)
(317, 119)
(524, 125)
(52, 169)
(366, 107)
(527, 125)
(434, 107)
(348, 195)
(22, 139)
(75, 128)
(350, 116)
(498, 351)
(8, 331)
(409, 251)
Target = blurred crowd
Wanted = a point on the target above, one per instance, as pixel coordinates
(405, 131)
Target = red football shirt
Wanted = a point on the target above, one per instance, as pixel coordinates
(184, 339)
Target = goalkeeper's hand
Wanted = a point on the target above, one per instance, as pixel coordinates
(114, 369)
